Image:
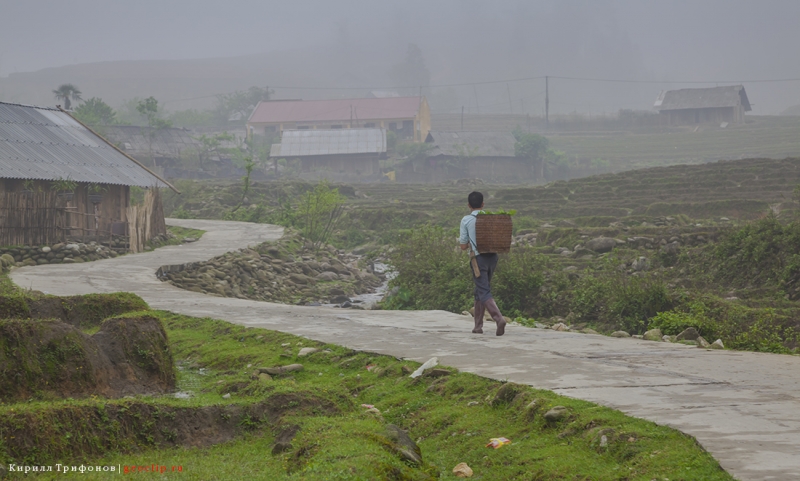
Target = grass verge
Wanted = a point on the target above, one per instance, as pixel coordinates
(451, 416)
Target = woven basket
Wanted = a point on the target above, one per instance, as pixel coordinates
(493, 233)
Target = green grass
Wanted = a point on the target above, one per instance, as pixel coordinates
(344, 442)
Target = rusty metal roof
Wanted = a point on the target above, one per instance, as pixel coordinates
(703, 98)
(338, 110)
(299, 143)
(48, 144)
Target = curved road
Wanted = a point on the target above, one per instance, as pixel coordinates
(743, 407)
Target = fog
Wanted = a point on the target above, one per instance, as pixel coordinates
(351, 46)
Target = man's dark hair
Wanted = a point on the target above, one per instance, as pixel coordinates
(475, 200)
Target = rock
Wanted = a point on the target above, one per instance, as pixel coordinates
(689, 334)
(505, 394)
(29, 262)
(437, 373)
(466, 313)
(556, 414)
(306, 351)
(637, 336)
(346, 305)
(703, 343)
(327, 276)
(226, 396)
(653, 335)
(603, 441)
(640, 264)
(7, 260)
(403, 444)
(668, 338)
(589, 330)
(281, 369)
(559, 327)
(46, 249)
(472, 403)
(462, 471)
(717, 344)
(264, 377)
(620, 334)
(601, 244)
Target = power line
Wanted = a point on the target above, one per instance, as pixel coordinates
(589, 79)
(523, 79)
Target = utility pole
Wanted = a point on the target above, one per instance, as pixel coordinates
(477, 105)
(547, 100)
(510, 107)
(462, 118)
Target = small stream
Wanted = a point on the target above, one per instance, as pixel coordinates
(368, 299)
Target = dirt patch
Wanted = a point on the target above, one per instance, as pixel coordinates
(38, 436)
(49, 359)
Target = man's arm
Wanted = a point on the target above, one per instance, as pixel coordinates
(463, 238)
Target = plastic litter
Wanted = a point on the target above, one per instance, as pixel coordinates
(432, 362)
(371, 367)
(497, 443)
(367, 406)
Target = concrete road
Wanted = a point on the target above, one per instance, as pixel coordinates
(743, 407)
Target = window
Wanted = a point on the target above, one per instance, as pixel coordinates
(392, 125)
(336, 126)
(303, 127)
(369, 125)
(270, 129)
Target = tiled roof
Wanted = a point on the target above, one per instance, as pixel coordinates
(339, 110)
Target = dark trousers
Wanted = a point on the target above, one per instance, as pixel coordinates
(487, 263)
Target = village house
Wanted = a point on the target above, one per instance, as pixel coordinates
(174, 153)
(60, 179)
(489, 156)
(408, 117)
(695, 106)
(354, 153)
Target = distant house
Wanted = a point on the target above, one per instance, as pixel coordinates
(41, 146)
(176, 152)
(485, 155)
(408, 117)
(339, 151)
(713, 104)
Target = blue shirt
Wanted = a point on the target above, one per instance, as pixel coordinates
(467, 234)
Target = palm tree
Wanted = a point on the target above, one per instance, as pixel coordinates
(67, 91)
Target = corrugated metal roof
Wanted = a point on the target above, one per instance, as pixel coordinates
(48, 144)
(299, 143)
(339, 110)
(471, 144)
(712, 97)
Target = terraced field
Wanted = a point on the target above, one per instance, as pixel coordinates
(739, 188)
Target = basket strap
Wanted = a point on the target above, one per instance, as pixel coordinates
(472, 241)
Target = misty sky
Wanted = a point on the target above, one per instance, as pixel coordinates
(462, 41)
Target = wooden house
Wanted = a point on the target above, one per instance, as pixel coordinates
(489, 156)
(51, 162)
(712, 104)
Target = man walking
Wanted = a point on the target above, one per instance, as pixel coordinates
(482, 267)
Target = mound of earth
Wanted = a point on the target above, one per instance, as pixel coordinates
(129, 424)
(51, 359)
(288, 271)
(85, 311)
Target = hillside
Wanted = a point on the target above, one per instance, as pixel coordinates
(736, 188)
